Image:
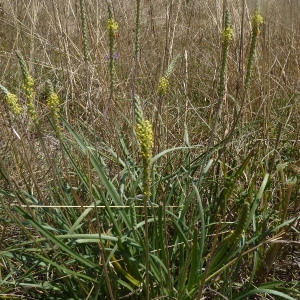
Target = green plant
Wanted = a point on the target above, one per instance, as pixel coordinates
(89, 209)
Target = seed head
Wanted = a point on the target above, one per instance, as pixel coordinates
(257, 20)
(145, 136)
(53, 104)
(227, 34)
(27, 86)
(12, 101)
(112, 26)
(163, 86)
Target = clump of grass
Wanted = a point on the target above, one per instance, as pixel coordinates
(109, 217)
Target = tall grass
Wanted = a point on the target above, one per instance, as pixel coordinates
(149, 159)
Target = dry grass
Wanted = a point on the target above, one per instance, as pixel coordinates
(49, 36)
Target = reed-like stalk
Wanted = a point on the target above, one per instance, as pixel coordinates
(257, 20)
(162, 91)
(227, 34)
(84, 33)
(145, 138)
(137, 48)
(112, 28)
(137, 43)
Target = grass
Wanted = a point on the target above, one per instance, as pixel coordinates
(149, 151)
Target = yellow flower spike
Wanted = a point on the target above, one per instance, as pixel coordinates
(53, 104)
(163, 86)
(53, 101)
(227, 34)
(112, 26)
(27, 87)
(144, 134)
(145, 137)
(12, 102)
(257, 20)
(29, 82)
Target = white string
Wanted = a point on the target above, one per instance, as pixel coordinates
(93, 206)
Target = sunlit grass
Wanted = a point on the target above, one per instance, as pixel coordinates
(149, 151)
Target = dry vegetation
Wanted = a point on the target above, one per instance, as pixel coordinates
(226, 158)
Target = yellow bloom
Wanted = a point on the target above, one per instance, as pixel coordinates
(53, 101)
(163, 86)
(53, 104)
(257, 19)
(227, 34)
(112, 26)
(27, 87)
(145, 136)
(12, 101)
(29, 82)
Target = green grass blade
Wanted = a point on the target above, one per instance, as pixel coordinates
(264, 291)
(55, 240)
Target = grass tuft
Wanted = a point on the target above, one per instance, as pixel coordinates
(189, 190)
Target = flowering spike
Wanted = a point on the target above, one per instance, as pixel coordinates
(27, 87)
(257, 20)
(163, 86)
(11, 100)
(112, 26)
(145, 138)
(53, 105)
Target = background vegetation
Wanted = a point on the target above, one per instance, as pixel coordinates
(149, 149)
